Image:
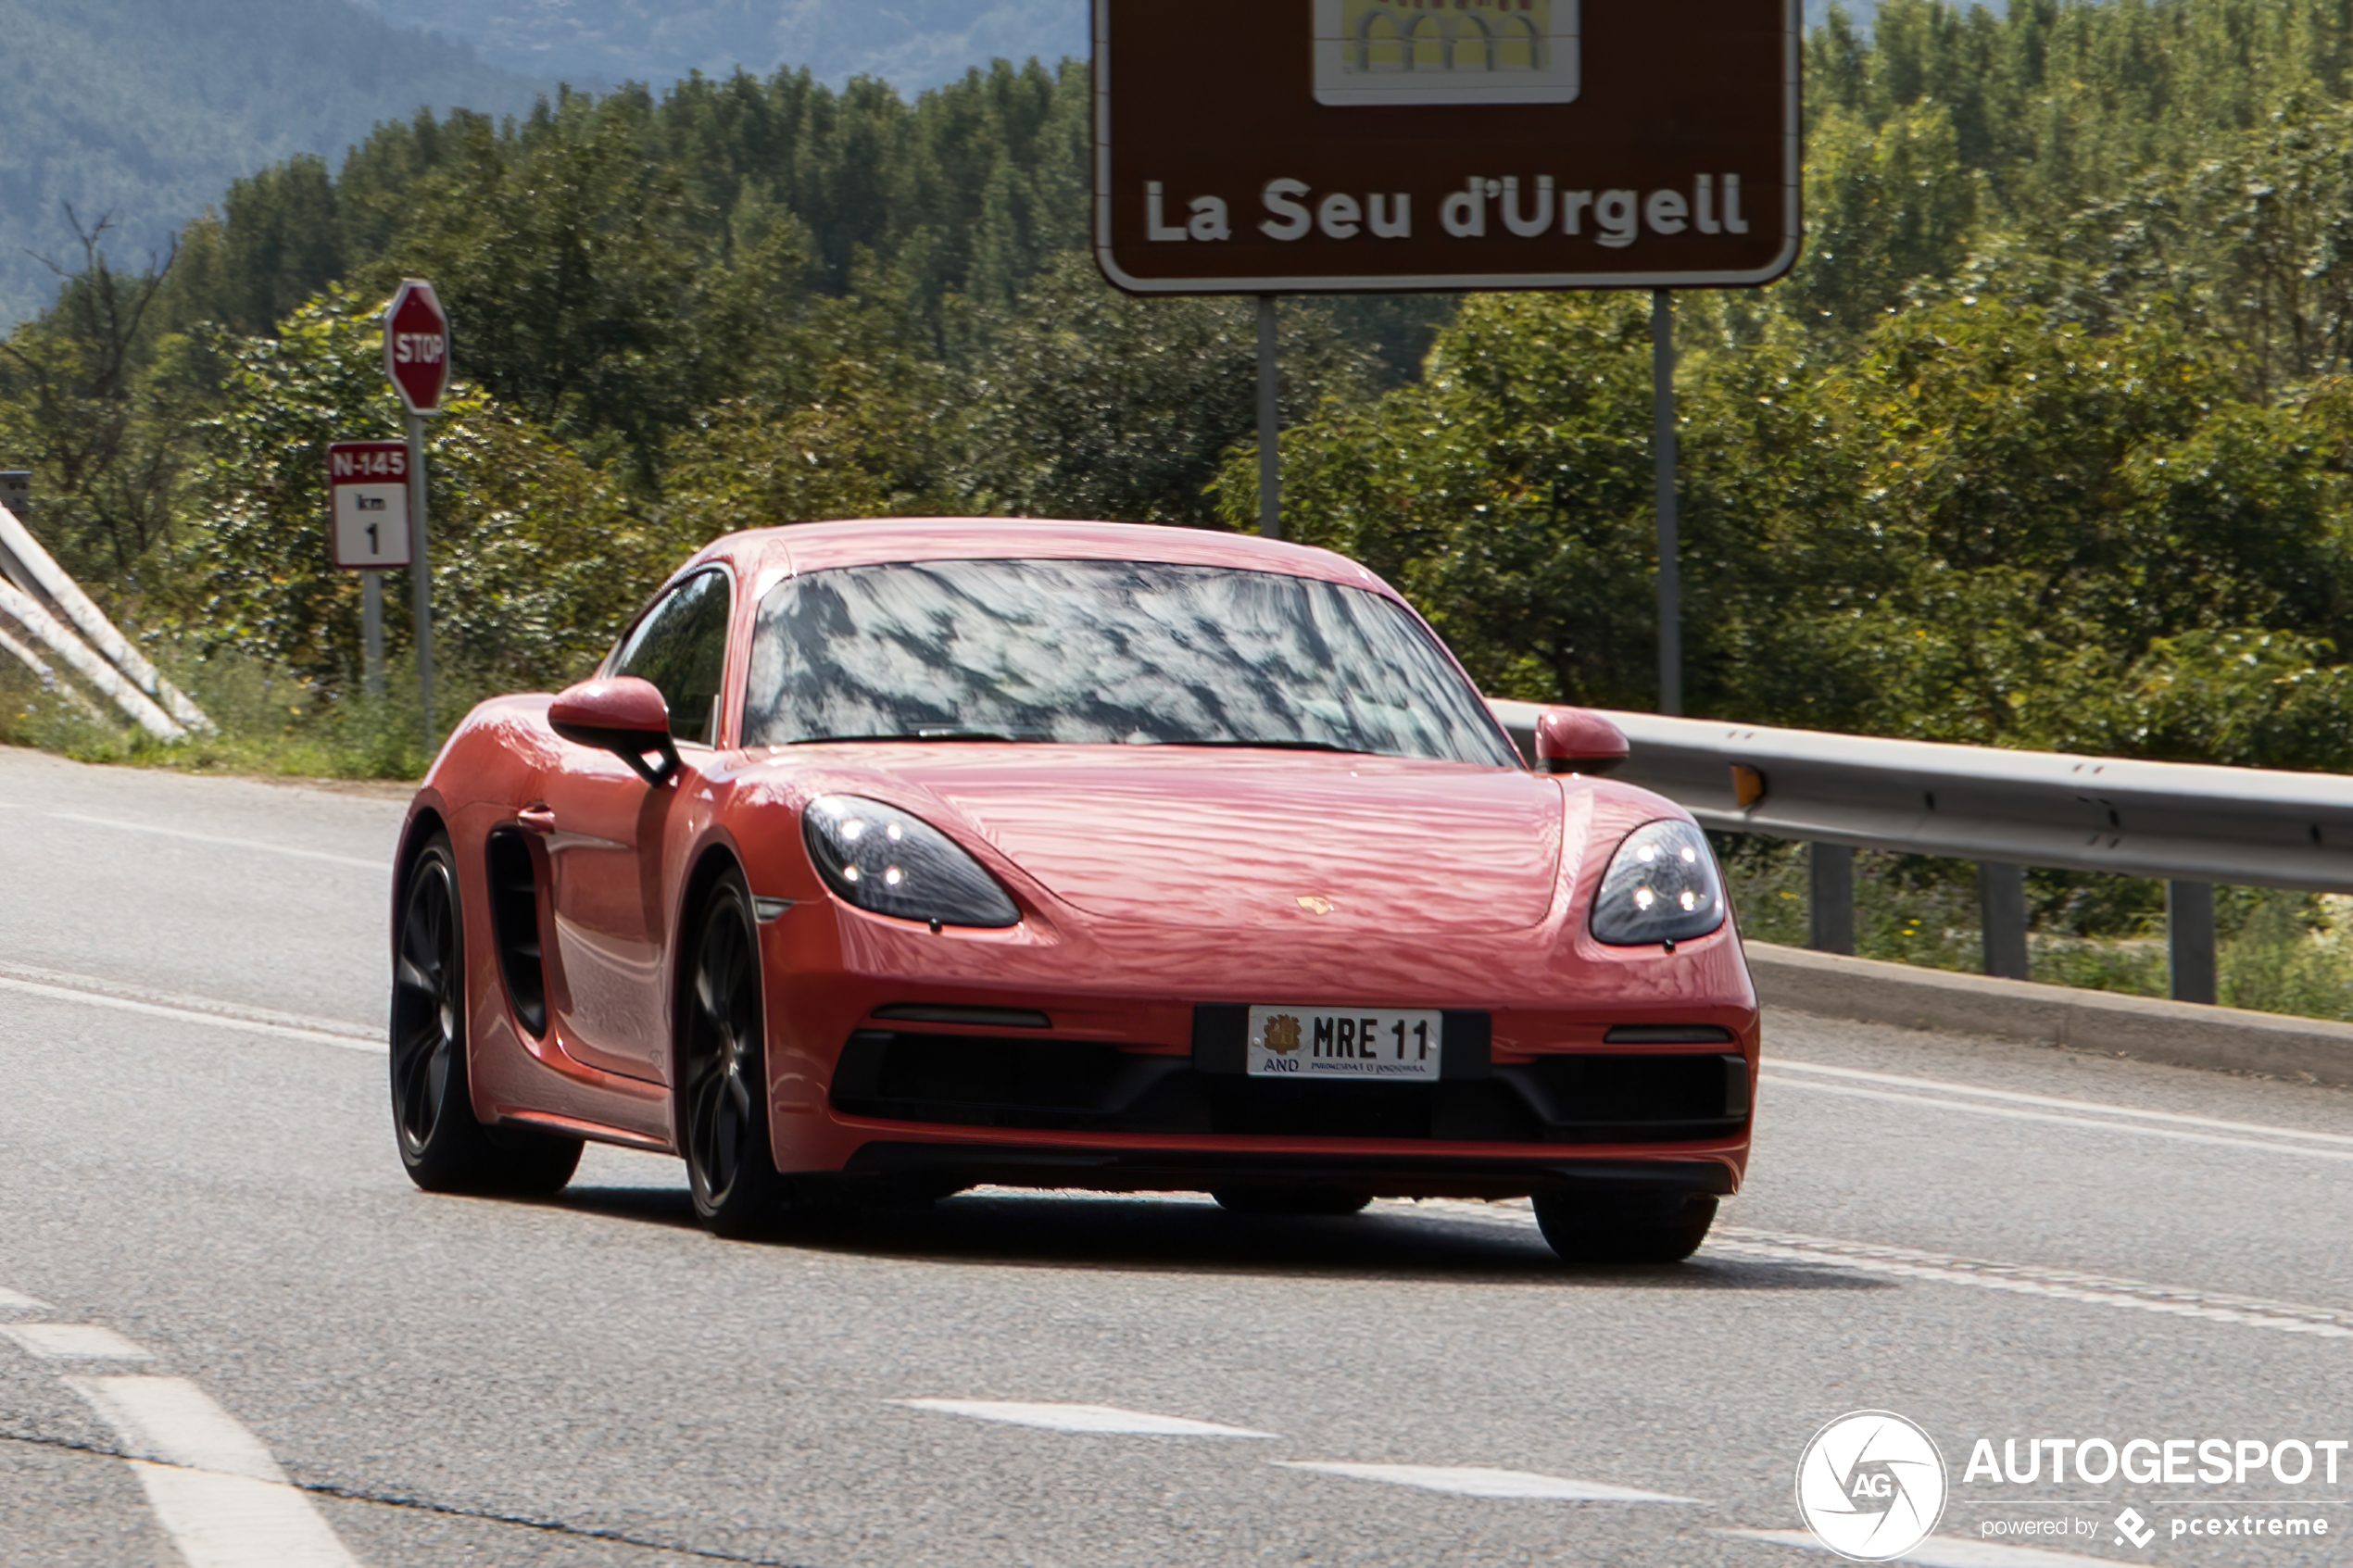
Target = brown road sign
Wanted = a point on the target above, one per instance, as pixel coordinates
(1287, 147)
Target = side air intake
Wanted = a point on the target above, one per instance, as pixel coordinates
(514, 920)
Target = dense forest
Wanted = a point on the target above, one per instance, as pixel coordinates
(2047, 441)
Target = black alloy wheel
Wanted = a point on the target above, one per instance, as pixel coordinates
(442, 1146)
(1624, 1228)
(723, 1078)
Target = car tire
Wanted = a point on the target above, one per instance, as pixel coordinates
(1620, 1229)
(722, 1080)
(441, 1145)
(1295, 1201)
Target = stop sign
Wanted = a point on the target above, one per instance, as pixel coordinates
(416, 347)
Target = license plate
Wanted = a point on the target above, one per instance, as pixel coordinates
(1368, 1044)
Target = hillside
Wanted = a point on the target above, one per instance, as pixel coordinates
(911, 44)
(144, 111)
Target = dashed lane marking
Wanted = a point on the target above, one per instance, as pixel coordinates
(1944, 1268)
(2052, 1118)
(258, 846)
(1100, 1420)
(213, 1015)
(214, 1488)
(171, 1421)
(1945, 1552)
(2053, 1102)
(2066, 1284)
(130, 990)
(12, 1302)
(74, 1341)
(1478, 1481)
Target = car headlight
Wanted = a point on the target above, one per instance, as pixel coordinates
(1661, 886)
(888, 863)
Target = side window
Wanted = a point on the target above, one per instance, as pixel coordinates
(680, 646)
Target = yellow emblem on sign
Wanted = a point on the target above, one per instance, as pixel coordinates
(1315, 904)
(1446, 51)
(1282, 1033)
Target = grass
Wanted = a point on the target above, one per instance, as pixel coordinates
(2279, 952)
(269, 722)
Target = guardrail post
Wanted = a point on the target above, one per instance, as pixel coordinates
(2189, 942)
(1829, 910)
(2001, 902)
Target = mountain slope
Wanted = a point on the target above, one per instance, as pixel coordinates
(142, 111)
(911, 44)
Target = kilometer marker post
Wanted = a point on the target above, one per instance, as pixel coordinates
(368, 511)
(416, 363)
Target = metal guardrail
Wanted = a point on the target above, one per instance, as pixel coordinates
(2192, 825)
(37, 597)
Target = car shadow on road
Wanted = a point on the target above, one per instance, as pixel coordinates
(1130, 1234)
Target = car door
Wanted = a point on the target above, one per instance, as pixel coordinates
(605, 833)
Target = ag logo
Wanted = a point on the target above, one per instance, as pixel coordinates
(1282, 1033)
(1870, 1486)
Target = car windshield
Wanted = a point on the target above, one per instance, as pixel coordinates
(1092, 652)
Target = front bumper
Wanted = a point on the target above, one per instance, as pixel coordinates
(1100, 1059)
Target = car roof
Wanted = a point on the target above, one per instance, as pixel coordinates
(815, 546)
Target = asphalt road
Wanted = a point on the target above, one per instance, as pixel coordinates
(232, 1332)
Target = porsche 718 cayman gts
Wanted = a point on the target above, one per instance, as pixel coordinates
(883, 859)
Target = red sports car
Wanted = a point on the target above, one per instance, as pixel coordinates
(887, 859)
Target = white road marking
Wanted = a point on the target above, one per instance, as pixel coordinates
(1101, 1420)
(231, 1521)
(2052, 1102)
(1944, 1268)
(2017, 1114)
(214, 1488)
(2066, 1284)
(190, 1015)
(106, 986)
(257, 845)
(1946, 1551)
(74, 1341)
(1478, 1481)
(171, 1421)
(10, 1301)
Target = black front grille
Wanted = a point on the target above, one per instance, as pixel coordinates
(991, 1081)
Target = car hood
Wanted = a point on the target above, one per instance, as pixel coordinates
(1243, 839)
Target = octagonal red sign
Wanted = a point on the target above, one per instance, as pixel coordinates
(416, 347)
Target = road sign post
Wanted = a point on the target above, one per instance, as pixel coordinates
(416, 362)
(1289, 146)
(1270, 462)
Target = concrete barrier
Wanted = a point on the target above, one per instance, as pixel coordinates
(2184, 1033)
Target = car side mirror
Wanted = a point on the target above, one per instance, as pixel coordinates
(1578, 740)
(625, 716)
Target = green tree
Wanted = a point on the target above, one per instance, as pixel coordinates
(535, 558)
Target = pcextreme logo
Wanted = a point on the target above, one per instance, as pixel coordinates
(1870, 1486)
